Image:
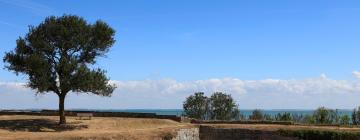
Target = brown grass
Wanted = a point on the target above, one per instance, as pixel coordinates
(114, 128)
(99, 128)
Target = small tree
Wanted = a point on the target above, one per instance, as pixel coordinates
(257, 114)
(310, 119)
(345, 120)
(297, 117)
(197, 106)
(57, 56)
(223, 107)
(323, 115)
(355, 116)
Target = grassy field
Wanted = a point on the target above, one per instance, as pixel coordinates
(99, 128)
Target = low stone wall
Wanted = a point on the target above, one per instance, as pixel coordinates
(241, 122)
(187, 134)
(211, 133)
(95, 114)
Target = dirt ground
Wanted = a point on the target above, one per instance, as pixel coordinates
(99, 128)
(114, 128)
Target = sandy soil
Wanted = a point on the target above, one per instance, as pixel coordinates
(102, 128)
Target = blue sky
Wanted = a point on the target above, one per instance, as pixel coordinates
(187, 41)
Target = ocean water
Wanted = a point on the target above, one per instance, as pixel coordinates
(245, 112)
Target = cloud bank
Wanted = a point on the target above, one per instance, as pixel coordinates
(169, 93)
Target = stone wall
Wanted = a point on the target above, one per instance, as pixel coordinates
(241, 122)
(211, 133)
(187, 134)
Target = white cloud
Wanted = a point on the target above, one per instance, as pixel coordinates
(356, 74)
(169, 93)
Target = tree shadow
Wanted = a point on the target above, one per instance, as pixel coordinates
(39, 125)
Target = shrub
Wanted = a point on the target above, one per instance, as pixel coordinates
(283, 117)
(298, 118)
(257, 114)
(355, 116)
(268, 117)
(309, 119)
(323, 115)
(345, 120)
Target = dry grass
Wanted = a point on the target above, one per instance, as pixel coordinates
(114, 128)
(102, 128)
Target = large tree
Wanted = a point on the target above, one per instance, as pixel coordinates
(58, 57)
(197, 106)
(223, 107)
(219, 106)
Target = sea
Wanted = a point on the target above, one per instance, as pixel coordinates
(245, 112)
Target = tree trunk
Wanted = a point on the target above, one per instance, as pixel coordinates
(62, 109)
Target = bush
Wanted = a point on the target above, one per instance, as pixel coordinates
(257, 114)
(355, 116)
(323, 115)
(268, 117)
(345, 120)
(309, 119)
(283, 117)
(297, 118)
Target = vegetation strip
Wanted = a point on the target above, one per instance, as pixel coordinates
(320, 134)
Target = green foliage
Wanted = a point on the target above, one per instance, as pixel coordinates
(309, 119)
(219, 106)
(283, 117)
(320, 135)
(323, 115)
(297, 118)
(257, 114)
(57, 56)
(268, 117)
(345, 120)
(355, 116)
(223, 107)
(196, 106)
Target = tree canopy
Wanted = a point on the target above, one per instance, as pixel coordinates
(223, 106)
(219, 106)
(58, 54)
(197, 106)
